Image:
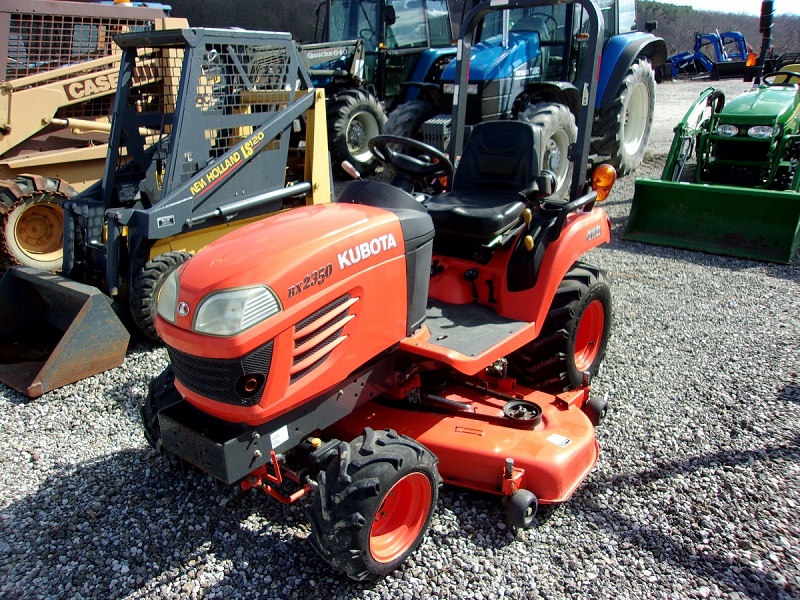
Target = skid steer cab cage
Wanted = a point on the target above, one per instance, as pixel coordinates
(202, 140)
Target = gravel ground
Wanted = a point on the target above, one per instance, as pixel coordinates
(695, 494)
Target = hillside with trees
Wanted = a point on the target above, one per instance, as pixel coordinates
(676, 24)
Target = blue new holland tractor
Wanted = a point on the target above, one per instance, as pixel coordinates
(523, 65)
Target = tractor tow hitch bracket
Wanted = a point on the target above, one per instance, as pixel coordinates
(257, 478)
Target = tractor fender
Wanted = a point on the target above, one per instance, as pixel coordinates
(618, 56)
(561, 92)
(427, 72)
(582, 232)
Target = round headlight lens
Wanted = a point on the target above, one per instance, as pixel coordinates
(167, 300)
(760, 131)
(230, 312)
(727, 130)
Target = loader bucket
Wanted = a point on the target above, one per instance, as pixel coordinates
(54, 331)
(743, 222)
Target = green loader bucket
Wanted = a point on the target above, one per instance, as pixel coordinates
(54, 331)
(743, 222)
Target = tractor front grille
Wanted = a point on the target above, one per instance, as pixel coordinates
(326, 333)
(218, 379)
(742, 151)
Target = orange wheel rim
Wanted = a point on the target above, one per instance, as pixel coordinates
(38, 232)
(589, 335)
(400, 518)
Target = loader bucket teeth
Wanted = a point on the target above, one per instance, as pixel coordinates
(54, 331)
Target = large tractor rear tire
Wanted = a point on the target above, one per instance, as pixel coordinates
(354, 117)
(623, 129)
(33, 225)
(375, 504)
(407, 119)
(557, 124)
(574, 335)
(146, 287)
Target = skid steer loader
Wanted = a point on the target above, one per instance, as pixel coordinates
(731, 182)
(58, 76)
(199, 146)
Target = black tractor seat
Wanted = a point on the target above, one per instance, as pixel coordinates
(492, 184)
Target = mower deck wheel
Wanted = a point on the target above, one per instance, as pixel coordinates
(375, 503)
(521, 509)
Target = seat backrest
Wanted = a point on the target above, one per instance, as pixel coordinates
(499, 155)
(795, 68)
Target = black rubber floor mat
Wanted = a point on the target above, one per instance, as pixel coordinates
(467, 328)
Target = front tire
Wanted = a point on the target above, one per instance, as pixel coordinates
(623, 129)
(33, 227)
(574, 335)
(161, 393)
(354, 118)
(558, 130)
(375, 504)
(146, 287)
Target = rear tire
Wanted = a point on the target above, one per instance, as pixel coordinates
(557, 124)
(375, 504)
(623, 129)
(574, 336)
(407, 119)
(146, 287)
(354, 117)
(33, 228)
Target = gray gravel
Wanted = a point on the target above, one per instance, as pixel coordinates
(695, 494)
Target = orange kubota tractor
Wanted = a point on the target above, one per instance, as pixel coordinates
(58, 74)
(368, 349)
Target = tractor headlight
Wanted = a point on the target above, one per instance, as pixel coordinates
(231, 312)
(760, 131)
(167, 299)
(727, 130)
(450, 88)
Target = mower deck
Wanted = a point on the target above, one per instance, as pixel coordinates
(551, 454)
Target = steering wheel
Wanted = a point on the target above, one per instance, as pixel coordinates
(429, 162)
(789, 75)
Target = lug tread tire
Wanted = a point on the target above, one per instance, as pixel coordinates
(547, 363)
(145, 288)
(17, 194)
(551, 118)
(607, 129)
(350, 493)
(341, 111)
(407, 119)
(161, 393)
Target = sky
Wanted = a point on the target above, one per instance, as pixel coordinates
(752, 7)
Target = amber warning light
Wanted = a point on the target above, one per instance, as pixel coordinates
(603, 179)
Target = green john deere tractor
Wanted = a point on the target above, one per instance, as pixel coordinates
(731, 183)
